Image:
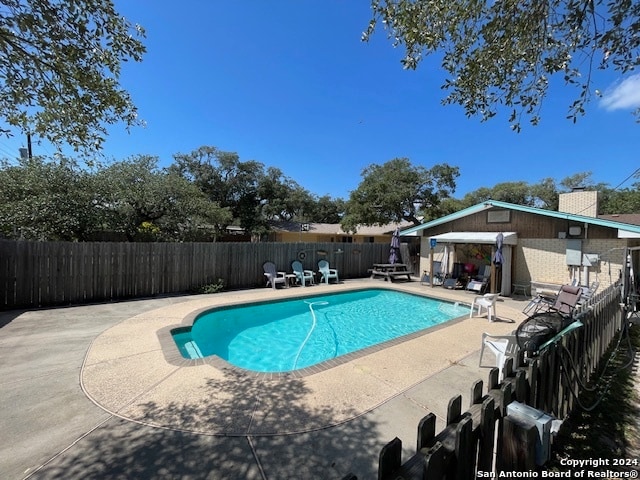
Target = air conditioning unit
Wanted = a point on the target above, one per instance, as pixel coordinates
(543, 422)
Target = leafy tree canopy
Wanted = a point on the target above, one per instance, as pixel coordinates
(507, 52)
(545, 194)
(60, 61)
(46, 201)
(143, 201)
(254, 195)
(398, 190)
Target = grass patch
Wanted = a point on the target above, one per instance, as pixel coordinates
(611, 430)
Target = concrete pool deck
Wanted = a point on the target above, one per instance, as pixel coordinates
(152, 417)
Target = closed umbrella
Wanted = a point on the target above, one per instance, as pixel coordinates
(498, 259)
(394, 252)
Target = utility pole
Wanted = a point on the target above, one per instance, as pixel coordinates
(26, 153)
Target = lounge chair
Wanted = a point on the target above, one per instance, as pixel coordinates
(588, 292)
(302, 276)
(486, 301)
(481, 282)
(564, 302)
(438, 277)
(326, 272)
(273, 276)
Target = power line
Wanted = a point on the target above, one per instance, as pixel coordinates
(636, 171)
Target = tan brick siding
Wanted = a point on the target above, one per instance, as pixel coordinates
(544, 260)
(579, 203)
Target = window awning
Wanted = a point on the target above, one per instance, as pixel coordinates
(510, 238)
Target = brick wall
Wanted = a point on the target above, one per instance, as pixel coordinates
(544, 260)
(579, 203)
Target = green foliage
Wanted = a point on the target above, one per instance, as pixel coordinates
(621, 201)
(60, 62)
(512, 192)
(398, 190)
(46, 201)
(135, 199)
(136, 192)
(545, 194)
(253, 195)
(508, 52)
(215, 287)
(327, 210)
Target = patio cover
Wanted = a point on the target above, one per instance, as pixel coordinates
(510, 238)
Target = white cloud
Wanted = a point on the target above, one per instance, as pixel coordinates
(622, 95)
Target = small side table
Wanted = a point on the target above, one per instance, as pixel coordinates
(521, 287)
(290, 279)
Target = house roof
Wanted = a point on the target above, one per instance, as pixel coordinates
(336, 229)
(631, 218)
(603, 222)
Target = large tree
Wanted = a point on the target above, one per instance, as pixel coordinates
(60, 62)
(507, 52)
(397, 191)
(44, 199)
(143, 201)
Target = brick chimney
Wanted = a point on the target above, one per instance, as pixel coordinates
(579, 202)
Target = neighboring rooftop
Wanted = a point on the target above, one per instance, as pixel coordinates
(336, 229)
(630, 218)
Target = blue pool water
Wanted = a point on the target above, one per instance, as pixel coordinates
(287, 335)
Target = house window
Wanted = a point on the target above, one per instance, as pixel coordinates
(347, 239)
(369, 239)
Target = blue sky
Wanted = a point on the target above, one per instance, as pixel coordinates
(290, 84)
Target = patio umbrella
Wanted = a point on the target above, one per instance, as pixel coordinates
(498, 259)
(394, 252)
(445, 260)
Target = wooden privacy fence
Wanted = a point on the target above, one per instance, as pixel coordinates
(484, 438)
(34, 274)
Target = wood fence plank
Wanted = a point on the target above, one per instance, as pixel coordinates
(426, 431)
(390, 459)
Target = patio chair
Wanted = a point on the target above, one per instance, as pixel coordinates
(564, 302)
(588, 292)
(326, 272)
(438, 276)
(479, 283)
(486, 301)
(273, 276)
(302, 276)
(533, 335)
(501, 346)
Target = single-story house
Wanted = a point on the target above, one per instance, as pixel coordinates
(332, 232)
(539, 246)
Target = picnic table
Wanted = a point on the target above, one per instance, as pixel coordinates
(389, 271)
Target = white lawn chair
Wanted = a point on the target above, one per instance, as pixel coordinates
(326, 272)
(273, 276)
(486, 301)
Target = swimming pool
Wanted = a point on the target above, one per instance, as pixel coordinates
(286, 335)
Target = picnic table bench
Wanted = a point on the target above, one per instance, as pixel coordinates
(390, 271)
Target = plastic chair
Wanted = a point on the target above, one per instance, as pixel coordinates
(326, 272)
(273, 276)
(502, 347)
(303, 276)
(533, 335)
(486, 301)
